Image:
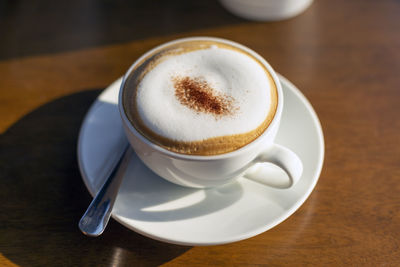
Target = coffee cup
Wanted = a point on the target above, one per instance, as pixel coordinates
(196, 129)
(266, 10)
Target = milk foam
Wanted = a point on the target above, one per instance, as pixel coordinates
(229, 73)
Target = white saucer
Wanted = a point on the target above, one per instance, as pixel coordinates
(153, 207)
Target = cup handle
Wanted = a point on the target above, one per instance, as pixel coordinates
(284, 158)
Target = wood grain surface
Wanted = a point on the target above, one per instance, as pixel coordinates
(343, 55)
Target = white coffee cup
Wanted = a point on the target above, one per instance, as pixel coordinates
(210, 171)
(266, 10)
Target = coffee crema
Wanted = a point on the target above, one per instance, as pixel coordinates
(200, 97)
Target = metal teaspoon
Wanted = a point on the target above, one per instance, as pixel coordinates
(97, 215)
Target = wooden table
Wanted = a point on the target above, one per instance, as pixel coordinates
(56, 57)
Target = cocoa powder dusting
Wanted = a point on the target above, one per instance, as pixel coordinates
(198, 95)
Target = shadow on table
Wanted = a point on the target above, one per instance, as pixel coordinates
(55, 26)
(43, 197)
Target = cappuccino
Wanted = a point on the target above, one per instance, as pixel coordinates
(200, 97)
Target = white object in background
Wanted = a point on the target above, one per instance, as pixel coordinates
(266, 10)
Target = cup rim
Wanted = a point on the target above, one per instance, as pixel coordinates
(249, 146)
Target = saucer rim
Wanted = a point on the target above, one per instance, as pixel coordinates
(286, 214)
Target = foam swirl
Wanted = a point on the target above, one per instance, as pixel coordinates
(192, 100)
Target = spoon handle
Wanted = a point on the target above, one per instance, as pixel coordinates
(96, 217)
